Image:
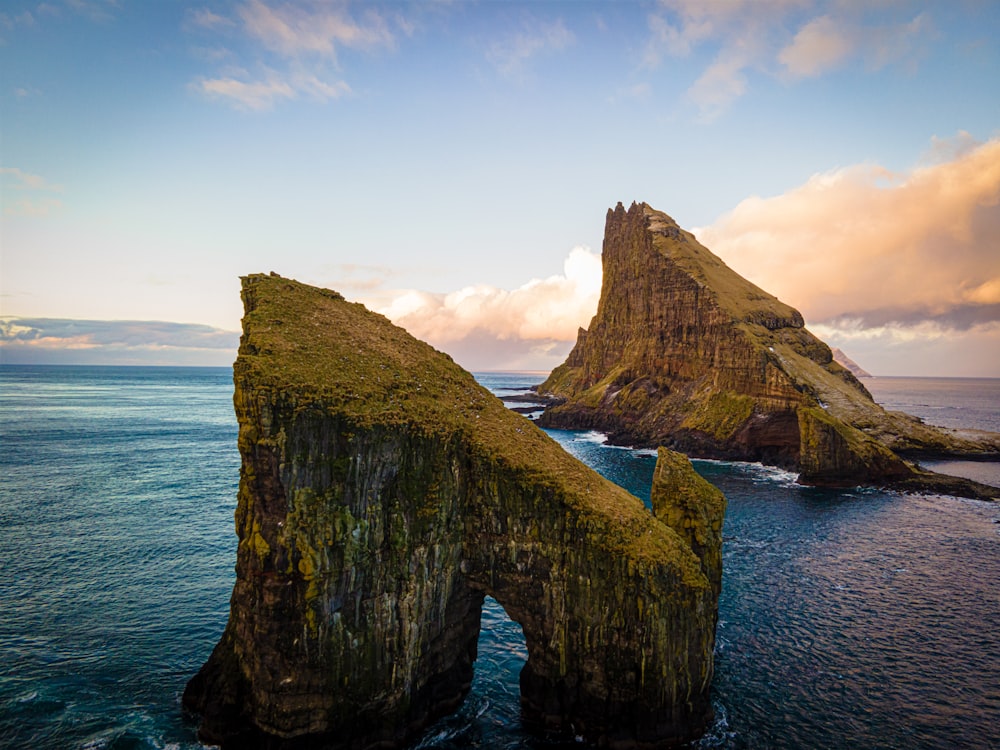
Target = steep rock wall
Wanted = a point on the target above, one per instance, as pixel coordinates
(685, 353)
(383, 494)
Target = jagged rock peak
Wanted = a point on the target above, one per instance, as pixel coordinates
(383, 494)
(686, 353)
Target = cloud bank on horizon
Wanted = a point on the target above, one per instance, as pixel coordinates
(870, 257)
(439, 161)
(56, 341)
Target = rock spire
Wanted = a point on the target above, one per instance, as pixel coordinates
(684, 352)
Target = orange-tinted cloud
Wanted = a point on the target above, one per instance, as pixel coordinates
(536, 323)
(894, 268)
(875, 247)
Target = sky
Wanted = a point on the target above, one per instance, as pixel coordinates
(450, 165)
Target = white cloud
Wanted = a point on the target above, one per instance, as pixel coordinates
(511, 53)
(296, 52)
(758, 36)
(32, 189)
(26, 181)
(206, 19)
(293, 29)
(540, 313)
(255, 95)
(721, 83)
(316, 88)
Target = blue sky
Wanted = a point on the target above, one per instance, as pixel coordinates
(450, 164)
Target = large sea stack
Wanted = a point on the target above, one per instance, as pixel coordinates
(683, 352)
(383, 494)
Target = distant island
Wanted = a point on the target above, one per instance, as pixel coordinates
(844, 361)
(685, 353)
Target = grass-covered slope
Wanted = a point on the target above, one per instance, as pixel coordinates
(383, 493)
(350, 361)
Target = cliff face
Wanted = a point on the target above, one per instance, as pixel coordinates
(686, 353)
(383, 494)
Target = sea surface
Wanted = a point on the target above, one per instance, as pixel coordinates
(848, 619)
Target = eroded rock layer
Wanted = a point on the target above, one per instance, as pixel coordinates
(686, 353)
(383, 494)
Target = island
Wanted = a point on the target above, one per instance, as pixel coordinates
(383, 494)
(685, 353)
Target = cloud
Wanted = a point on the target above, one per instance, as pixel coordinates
(293, 29)
(32, 207)
(819, 46)
(295, 49)
(863, 248)
(99, 11)
(900, 43)
(926, 349)
(741, 31)
(205, 19)
(26, 92)
(510, 54)
(256, 95)
(536, 319)
(825, 43)
(241, 90)
(349, 278)
(779, 38)
(51, 340)
(33, 188)
(25, 181)
(24, 19)
(721, 83)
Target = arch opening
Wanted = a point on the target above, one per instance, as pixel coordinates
(493, 704)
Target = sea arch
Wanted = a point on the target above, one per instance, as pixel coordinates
(382, 495)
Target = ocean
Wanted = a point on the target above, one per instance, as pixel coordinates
(848, 619)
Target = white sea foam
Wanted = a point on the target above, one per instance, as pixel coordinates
(756, 471)
(592, 436)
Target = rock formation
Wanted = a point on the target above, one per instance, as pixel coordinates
(842, 359)
(684, 352)
(383, 493)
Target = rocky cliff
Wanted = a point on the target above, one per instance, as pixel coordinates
(684, 352)
(383, 494)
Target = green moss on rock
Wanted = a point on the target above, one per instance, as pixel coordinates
(720, 415)
(383, 494)
(683, 352)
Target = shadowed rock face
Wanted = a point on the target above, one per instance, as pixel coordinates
(684, 352)
(383, 494)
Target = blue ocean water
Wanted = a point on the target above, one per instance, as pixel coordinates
(848, 618)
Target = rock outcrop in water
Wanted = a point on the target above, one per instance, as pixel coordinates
(383, 494)
(684, 352)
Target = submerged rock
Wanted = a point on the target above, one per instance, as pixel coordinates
(684, 352)
(383, 493)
